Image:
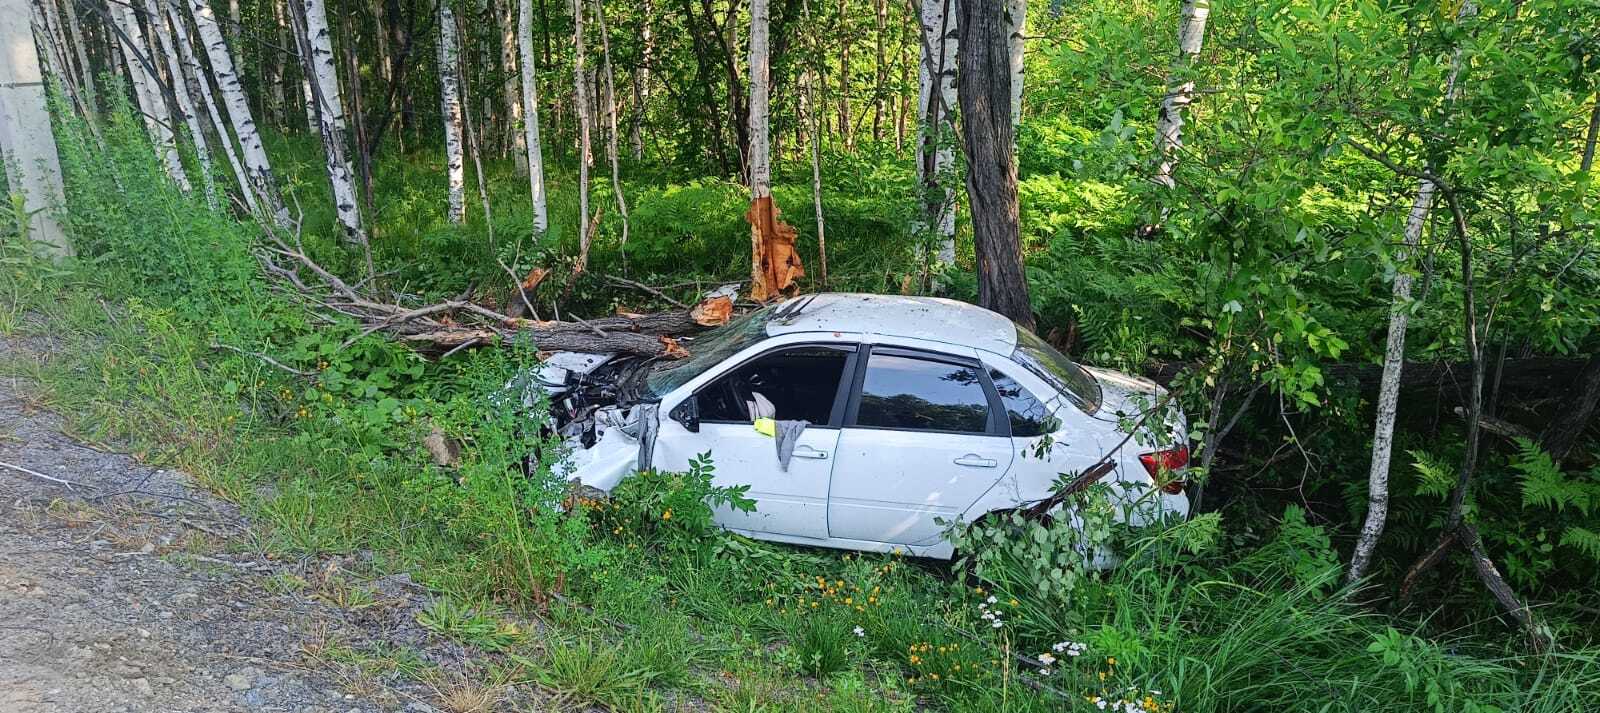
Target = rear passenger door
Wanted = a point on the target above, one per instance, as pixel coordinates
(923, 438)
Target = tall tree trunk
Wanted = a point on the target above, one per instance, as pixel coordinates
(513, 139)
(1394, 356)
(180, 91)
(813, 121)
(277, 73)
(641, 80)
(984, 90)
(760, 158)
(316, 48)
(936, 98)
(880, 91)
(85, 69)
(244, 125)
(148, 90)
(1016, 15)
(27, 144)
(581, 112)
(52, 45)
(1180, 90)
(451, 109)
(358, 120)
(611, 119)
(530, 111)
(846, 134)
(195, 70)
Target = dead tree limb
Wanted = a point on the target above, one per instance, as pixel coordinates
(456, 324)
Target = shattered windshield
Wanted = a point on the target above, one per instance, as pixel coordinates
(708, 350)
(1037, 356)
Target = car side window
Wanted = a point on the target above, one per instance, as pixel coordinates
(1028, 415)
(906, 392)
(800, 382)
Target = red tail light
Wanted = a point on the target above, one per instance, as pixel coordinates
(1166, 462)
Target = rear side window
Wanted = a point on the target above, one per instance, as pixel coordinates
(801, 383)
(919, 394)
(1028, 415)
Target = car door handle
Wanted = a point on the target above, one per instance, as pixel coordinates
(973, 460)
(809, 452)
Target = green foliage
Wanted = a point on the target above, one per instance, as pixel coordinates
(673, 510)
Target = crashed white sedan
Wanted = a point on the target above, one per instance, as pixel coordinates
(864, 421)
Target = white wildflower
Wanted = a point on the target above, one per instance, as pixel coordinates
(858, 631)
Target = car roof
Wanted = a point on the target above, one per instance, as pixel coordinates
(930, 318)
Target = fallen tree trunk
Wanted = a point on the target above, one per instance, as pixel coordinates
(453, 325)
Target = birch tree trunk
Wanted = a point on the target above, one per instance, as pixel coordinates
(147, 89)
(451, 109)
(581, 112)
(1394, 355)
(814, 139)
(530, 111)
(180, 91)
(935, 98)
(277, 108)
(27, 144)
(254, 155)
(316, 45)
(985, 92)
(85, 69)
(611, 118)
(1016, 14)
(514, 140)
(1180, 90)
(186, 53)
(760, 158)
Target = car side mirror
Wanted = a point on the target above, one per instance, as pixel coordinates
(687, 414)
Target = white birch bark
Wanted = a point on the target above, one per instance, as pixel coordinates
(450, 107)
(808, 100)
(760, 141)
(936, 98)
(1180, 92)
(194, 69)
(253, 153)
(1016, 13)
(318, 42)
(27, 144)
(530, 110)
(147, 89)
(611, 119)
(85, 70)
(1394, 353)
(512, 138)
(277, 109)
(581, 88)
(156, 20)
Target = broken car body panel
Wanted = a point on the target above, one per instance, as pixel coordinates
(917, 412)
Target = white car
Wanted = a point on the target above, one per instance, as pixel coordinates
(915, 411)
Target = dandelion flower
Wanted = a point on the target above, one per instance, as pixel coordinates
(667, 515)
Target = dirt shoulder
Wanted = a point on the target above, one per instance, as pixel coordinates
(127, 588)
